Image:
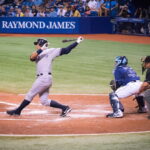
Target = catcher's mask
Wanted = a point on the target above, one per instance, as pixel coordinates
(121, 61)
(41, 42)
(144, 61)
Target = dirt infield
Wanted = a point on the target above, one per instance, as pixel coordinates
(109, 37)
(88, 114)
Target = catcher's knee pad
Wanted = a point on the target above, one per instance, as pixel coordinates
(113, 96)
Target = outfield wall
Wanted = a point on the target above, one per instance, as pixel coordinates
(46, 25)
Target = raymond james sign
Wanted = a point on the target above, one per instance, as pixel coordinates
(47, 25)
(38, 25)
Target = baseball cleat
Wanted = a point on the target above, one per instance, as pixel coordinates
(148, 117)
(13, 112)
(118, 114)
(65, 112)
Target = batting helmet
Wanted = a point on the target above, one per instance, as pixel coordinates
(40, 42)
(121, 60)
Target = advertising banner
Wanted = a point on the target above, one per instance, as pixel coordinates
(47, 25)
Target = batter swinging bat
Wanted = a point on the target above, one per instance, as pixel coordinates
(68, 40)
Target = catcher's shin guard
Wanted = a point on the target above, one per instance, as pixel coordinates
(116, 106)
(115, 103)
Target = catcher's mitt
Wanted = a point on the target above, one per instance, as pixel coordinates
(112, 85)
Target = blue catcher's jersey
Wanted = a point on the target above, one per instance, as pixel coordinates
(125, 74)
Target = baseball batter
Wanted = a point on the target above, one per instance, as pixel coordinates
(43, 57)
(127, 84)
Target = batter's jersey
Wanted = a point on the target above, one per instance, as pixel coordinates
(44, 60)
(124, 74)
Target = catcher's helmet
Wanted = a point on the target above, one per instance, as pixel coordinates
(40, 42)
(121, 60)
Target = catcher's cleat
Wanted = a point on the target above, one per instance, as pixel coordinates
(13, 112)
(118, 114)
(148, 117)
(142, 110)
(65, 112)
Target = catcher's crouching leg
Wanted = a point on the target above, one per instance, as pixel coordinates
(116, 106)
(141, 104)
(112, 85)
(120, 106)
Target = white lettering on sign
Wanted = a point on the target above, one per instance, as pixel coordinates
(38, 25)
(61, 25)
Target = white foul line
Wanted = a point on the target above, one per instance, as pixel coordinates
(73, 94)
(7, 103)
(65, 135)
(12, 104)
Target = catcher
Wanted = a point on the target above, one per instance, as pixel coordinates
(126, 84)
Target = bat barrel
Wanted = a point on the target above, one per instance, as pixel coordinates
(68, 40)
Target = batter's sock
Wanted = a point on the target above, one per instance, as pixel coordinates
(22, 105)
(57, 105)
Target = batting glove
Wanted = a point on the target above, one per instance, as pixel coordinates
(80, 39)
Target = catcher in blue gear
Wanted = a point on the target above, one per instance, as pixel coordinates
(126, 83)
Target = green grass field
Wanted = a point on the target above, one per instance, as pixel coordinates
(134, 141)
(88, 69)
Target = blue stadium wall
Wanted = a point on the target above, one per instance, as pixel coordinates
(72, 25)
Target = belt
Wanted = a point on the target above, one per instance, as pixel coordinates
(43, 74)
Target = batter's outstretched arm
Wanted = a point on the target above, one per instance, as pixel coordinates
(68, 49)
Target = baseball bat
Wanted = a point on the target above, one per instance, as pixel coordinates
(68, 40)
